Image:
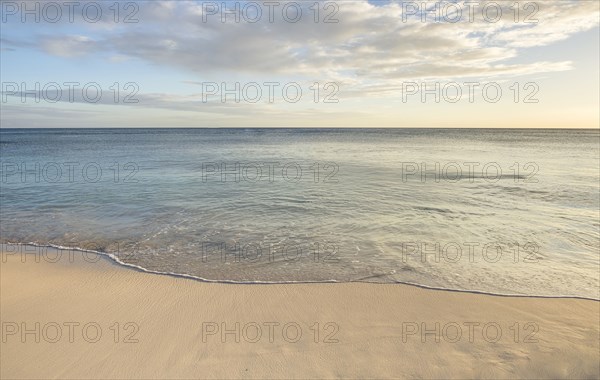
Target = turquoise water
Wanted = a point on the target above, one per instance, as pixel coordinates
(504, 211)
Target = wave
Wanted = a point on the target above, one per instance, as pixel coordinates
(114, 259)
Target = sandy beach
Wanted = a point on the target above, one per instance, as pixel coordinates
(84, 318)
(240, 189)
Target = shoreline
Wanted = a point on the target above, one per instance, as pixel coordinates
(194, 329)
(116, 261)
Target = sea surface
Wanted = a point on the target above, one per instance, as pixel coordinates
(495, 211)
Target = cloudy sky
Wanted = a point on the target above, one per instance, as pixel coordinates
(348, 63)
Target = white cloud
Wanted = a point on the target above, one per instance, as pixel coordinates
(368, 41)
(68, 46)
(369, 52)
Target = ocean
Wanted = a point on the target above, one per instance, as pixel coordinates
(496, 211)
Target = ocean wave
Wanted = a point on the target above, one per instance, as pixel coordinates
(115, 259)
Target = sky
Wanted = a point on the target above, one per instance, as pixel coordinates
(348, 63)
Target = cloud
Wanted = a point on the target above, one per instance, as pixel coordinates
(68, 46)
(370, 51)
(368, 41)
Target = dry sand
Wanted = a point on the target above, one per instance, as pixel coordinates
(166, 327)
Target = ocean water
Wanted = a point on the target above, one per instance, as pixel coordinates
(498, 211)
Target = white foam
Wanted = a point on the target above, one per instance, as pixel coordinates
(116, 260)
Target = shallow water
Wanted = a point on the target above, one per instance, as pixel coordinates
(499, 211)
